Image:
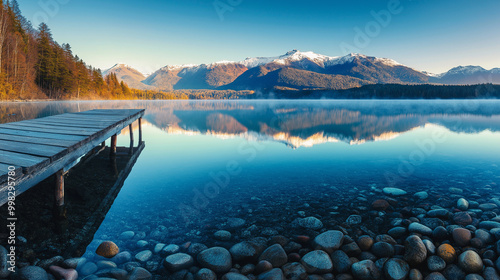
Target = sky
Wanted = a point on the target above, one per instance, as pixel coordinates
(428, 35)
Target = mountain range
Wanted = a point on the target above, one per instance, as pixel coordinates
(296, 70)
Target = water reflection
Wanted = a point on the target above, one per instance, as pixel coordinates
(294, 123)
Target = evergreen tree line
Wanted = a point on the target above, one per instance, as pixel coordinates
(33, 65)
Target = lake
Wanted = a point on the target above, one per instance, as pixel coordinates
(215, 173)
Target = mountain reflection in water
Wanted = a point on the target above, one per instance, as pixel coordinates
(294, 123)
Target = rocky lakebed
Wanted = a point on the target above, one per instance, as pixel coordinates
(381, 233)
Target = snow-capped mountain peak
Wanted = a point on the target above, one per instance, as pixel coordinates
(468, 70)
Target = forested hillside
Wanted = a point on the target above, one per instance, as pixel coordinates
(33, 65)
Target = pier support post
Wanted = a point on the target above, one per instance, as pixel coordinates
(112, 150)
(59, 188)
(140, 131)
(131, 132)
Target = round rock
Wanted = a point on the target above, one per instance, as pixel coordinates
(310, 223)
(415, 250)
(329, 241)
(178, 262)
(275, 254)
(396, 269)
(217, 259)
(470, 262)
(317, 262)
(222, 235)
(394, 191)
(32, 273)
(107, 249)
(365, 270)
(435, 263)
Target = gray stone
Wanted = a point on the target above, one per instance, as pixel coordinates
(116, 273)
(245, 251)
(222, 235)
(435, 263)
(341, 262)
(127, 235)
(396, 269)
(415, 251)
(106, 264)
(488, 206)
(140, 273)
(159, 247)
(87, 269)
(329, 241)
(217, 259)
(317, 262)
(365, 270)
(436, 276)
(274, 254)
(178, 262)
(234, 276)
(310, 223)
(419, 228)
(431, 248)
(233, 223)
(170, 249)
(394, 191)
(205, 274)
(462, 204)
(144, 256)
(45, 264)
(422, 195)
(438, 213)
(273, 274)
(354, 220)
(32, 273)
(294, 271)
(122, 257)
(489, 225)
(470, 262)
(74, 262)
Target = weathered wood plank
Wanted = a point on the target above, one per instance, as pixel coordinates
(45, 141)
(49, 130)
(40, 134)
(81, 124)
(27, 162)
(4, 172)
(57, 129)
(51, 152)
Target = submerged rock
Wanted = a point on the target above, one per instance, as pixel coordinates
(394, 191)
(32, 273)
(415, 250)
(178, 262)
(470, 262)
(329, 241)
(365, 270)
(217, 259)
(317, 262)
(310, 223)
(396, 269)
(107, 249)
(275, 254)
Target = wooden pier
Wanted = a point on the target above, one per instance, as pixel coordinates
(36, 149)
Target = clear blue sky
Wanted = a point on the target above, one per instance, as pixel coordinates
(427, 35)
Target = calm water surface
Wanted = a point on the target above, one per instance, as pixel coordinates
(270, 162)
